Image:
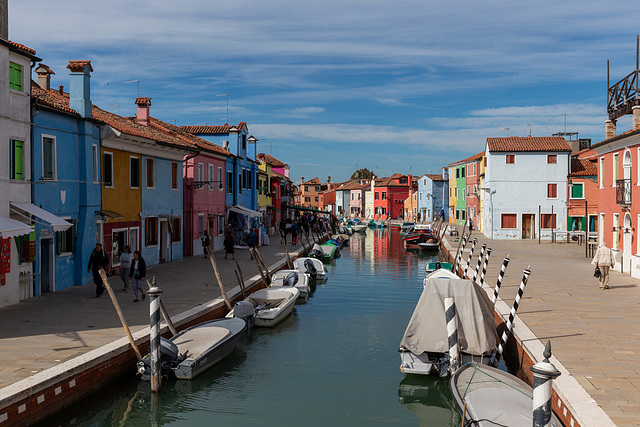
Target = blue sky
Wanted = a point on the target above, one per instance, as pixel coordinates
(334, 85)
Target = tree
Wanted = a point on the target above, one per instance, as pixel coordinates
(363, 173)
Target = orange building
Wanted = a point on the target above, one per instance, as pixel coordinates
(309, 193)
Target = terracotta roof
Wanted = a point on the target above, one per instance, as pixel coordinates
(528, 144)
(78, 66)
(188, 138)
(22, 47)
(312, 181)
(352, 184)
(390, 181)
(582, 167)
(279, 175)
(619, 136)
(51, 98)
(271, 160)
(213, 130)
(435, 177)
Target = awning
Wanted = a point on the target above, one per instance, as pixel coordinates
(12, 228)
(244, 211)
(273, 208)
(110, 214)
(57, 223)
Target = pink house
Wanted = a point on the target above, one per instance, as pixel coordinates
(205, 193)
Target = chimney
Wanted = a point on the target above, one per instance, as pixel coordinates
(636, 117)
(4, 19)
(79, 87)
(610, 129)
(329, 179)
(44, 76)
(142, 114)
(301, 180)
(225, 145)
(61, 89)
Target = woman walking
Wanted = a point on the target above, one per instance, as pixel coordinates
(137, 274)
(125, 266)
(228, 243)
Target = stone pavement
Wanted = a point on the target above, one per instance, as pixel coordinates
(43, 332)
(594, 333)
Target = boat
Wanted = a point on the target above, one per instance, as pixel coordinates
(433, 266)
(270, 306)
(420, 241)
(360, 228)
(431, 243)
(490, 397)
(441, 272)
(325, 252)
(313, 267)
(292, 278)
(343, 239)
(424, 348)
(194, 350)
(406, 226)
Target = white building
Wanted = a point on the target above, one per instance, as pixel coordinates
(525, 191)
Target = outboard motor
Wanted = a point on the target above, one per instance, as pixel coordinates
(169, 357)
(291, 279)
(311, 269)
(438, 265)
(243, 310)
(317, 252)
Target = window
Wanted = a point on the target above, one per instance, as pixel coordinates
(601, 172)
(375, 196)
(134, 172)
(316, 199)
(201, 173)
(176, 230)
(107, 169)
(457, 173)
(548, 221)
(219, 179)
(306, 188)
(26, 245)
(151, 231)
(509, 221)
(66, 240)
(420, 196)
(248, 180)
(510, 159)
(244, 141)
(352, 196)
(174, 175)
(577, 191)
(200, 225)
(48, 157)
(220, 225)
(317, 188)
(384, 195)
(15, 76)
(240, 182)
(211, 177)
(229, 182)
(16, 161)
(615, 168)
(552, 191)
(485, 162)
(96, 174)
(463, 171)
(151, 173)
(307, 199)
(552, 158)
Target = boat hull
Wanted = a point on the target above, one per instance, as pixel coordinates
(426, 363)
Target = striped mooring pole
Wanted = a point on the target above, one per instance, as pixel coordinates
(487, 255)
(503, 269)
(480, 257)
(154, 328)
(456, 262)
(452, 333)
(512, 315)
(543, 374)
(466, 267)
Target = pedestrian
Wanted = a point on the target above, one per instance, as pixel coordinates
(228, 243)
(295, 230)
(205, 243)
(98, 259)
(283, 230)
(125, 266)
(137, 274)
(252, 240)
(604, 260)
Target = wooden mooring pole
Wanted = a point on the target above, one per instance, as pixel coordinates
(218, 278)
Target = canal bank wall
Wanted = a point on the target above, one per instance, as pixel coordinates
(570, 401)
(43, 394)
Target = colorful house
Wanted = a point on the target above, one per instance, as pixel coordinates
(66, 148)
(433, 196)
(474, 166)
(582, 212)
(273, 186)
(526, 186)
(309, 192)
(453, 199)
(411, 206)
(390, 194)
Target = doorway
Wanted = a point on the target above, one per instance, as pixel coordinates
(164, 240)
(46, 266)
(627, 241)
(528, 226)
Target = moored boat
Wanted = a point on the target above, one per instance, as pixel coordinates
(437, 265)
(325, 252)
(292, 278)
(418, 240)
(313, 267)
(196, 349)
(270, 305)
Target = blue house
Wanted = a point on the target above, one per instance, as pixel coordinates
(242, 167)
(433, 196)
(66, 178)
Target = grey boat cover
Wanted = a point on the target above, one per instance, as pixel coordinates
(427, 329)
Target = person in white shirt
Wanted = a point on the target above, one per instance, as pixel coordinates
(604, 260)
(125, 266)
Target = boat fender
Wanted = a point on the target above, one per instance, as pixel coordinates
(291, 279)
(311, 269)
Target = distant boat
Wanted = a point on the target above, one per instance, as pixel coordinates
(490, 397)
(196, 349)
(270, 306)
(359, 228)
(433, 266)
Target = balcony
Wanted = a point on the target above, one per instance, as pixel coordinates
(623, 192)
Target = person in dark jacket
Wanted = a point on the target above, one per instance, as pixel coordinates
(137, 274)
(252, 239)
(98, 259)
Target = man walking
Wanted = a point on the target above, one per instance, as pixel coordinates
(98, 259)
(604, 260)
(205, 243)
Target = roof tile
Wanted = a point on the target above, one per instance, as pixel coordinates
(528, 144)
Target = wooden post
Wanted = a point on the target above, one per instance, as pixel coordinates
(244, 294)
(103, 276)
(284, 245)
(163, 310)
(241, 277)
(266, 269)
(255, 258)
(212, 260)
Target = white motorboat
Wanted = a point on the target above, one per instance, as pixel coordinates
(441, 272)
(196, 349)
(493, 397)
(313, 267)
(270, 305)
(292, 278)
(424, 348)
(360, 228)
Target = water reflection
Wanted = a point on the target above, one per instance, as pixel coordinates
(429, 399)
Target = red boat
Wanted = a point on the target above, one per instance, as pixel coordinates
(413, 240)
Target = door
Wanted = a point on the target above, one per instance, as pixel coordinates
(46, 267)
(164, 240)
(134, 233)
(627, 241)
(527, 226)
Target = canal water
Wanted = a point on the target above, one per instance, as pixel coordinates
(335, 362)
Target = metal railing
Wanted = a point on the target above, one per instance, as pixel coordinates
(623, 191)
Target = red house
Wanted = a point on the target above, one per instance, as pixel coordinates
(390, 193)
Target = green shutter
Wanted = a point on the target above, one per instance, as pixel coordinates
(15, 155)
(15, 76)
(576, 191)
(47, 158)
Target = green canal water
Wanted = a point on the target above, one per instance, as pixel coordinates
(333, 363)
